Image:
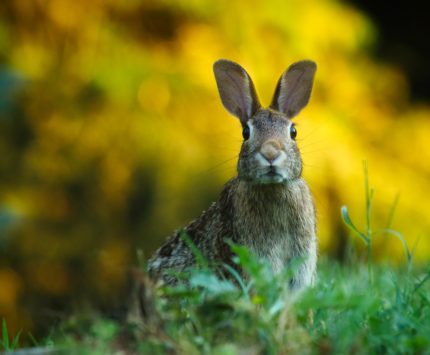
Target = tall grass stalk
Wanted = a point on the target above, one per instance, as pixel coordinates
(369, 233)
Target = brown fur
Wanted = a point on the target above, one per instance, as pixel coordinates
(268, 206)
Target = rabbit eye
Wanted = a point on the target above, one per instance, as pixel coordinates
(293, 132)
(246, 132)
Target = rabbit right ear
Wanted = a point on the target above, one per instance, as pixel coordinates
(294, 88)
(236, 89)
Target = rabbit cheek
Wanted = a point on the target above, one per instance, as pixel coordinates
(244, 166)
(294, 163)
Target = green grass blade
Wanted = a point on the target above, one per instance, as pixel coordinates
(422, 282)
(200, 259)
(347, 220)
(369, 196)
(392, 211)
(33, 339)
(5, 335)
(239, 279)
(15, 341)
(401, 238)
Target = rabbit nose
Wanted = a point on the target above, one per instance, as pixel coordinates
(270, 150)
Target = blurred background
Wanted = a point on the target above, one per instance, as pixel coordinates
(112, 134)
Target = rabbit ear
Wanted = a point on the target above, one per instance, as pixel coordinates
(294, 88)
(236, 89)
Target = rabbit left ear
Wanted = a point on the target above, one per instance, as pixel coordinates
(236, 89)
(294, 88)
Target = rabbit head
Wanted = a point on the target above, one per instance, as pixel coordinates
(269, 153)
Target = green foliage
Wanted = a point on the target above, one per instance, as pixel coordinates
(5, 344)
(342, 313)
(350, 309)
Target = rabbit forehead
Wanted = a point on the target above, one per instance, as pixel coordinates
(270, 121)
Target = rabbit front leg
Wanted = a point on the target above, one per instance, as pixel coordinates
(306, 271)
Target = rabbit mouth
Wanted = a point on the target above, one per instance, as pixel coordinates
(272, 176)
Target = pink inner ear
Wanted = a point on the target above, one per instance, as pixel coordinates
(288, 95)
(294, 88)
(236, 89)
(242, 99)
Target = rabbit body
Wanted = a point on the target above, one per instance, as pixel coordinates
(268, 207)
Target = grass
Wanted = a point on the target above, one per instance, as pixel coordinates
(360, 308)
(5, 343)
(344, 312)
(368, 234)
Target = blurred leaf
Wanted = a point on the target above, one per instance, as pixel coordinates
(208, 281)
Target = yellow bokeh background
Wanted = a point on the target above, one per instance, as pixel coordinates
(113, 135)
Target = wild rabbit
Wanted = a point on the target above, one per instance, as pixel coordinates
(267, 207)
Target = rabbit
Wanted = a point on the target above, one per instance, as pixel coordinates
(268, 206)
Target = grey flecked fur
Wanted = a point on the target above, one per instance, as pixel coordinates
(268, 207)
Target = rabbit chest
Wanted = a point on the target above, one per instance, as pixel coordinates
(276, 222)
